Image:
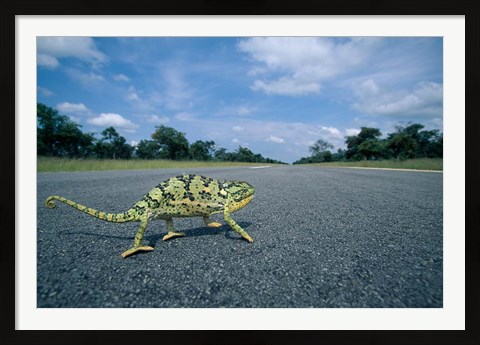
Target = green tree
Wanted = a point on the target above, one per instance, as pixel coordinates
(172, 143)
(338, 156)
(202, 150)
(113, 145)
(258, 158)
(221, 154)
(320, 146)
(148, 149)
(402, 146)
(320, 151)
(403, 143)
(243, 154)
(364, 145)
(412, 142)
(371, 149)
(58, 136)
(430, 144)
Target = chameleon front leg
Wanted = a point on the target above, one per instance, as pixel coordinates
(137, 247)
(171, 230)
(235, 226)
(210, 223)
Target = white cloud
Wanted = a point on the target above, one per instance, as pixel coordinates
(112, 119)
(365, 122)
(240, 142)
(252, 130)
(185, 116)
(276, 140)
(366, 88)
(236, 110)
(73, 108)
(87, 80)
(132, 94)
(352, 131)
(44, 91)
(93, 77)
(298, 135)
(121, 77)
(286, 86)
(332, 131)
(434, 123)
(242, 111)
(138, 100)
(47, 61)
(51, 49)
(157, 119)
(425, 100)
(299, 65)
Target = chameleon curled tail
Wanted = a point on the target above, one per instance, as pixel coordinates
(109, 217)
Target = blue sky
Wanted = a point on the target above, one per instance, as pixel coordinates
(274, 95)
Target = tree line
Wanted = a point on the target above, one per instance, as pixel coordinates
(406, 142)
(58, 136)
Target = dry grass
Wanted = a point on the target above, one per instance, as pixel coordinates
(416, 164)
(54, 164)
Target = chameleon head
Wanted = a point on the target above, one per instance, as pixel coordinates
(241, 192)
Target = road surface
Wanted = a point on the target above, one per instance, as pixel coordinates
(323, 238)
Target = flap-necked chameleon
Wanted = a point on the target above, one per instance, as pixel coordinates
(180, 196)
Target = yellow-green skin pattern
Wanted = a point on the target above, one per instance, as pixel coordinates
(180, 196)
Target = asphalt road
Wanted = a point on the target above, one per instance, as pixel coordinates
(323, 238)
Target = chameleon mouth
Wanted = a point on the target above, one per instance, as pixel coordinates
(241, 204)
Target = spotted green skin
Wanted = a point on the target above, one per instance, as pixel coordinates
(180, 196)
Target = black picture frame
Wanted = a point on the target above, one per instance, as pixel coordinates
(9, 210)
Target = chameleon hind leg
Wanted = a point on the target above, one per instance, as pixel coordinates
(210, 223)
(171, 230)
(235, 226)
(137, 247)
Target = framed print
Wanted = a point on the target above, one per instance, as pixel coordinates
(315, 254)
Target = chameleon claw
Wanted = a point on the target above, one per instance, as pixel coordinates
(248, 238)
(172, 235)
(133, 250)
(214, 225)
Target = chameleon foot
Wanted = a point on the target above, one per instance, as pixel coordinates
(173, 234)
(133, 250)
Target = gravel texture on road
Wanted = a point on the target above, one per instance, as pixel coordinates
(323, 238)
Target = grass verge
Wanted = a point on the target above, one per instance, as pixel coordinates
(55, 164)
(415, 164)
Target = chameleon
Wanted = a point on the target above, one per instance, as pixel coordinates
(185, 195)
